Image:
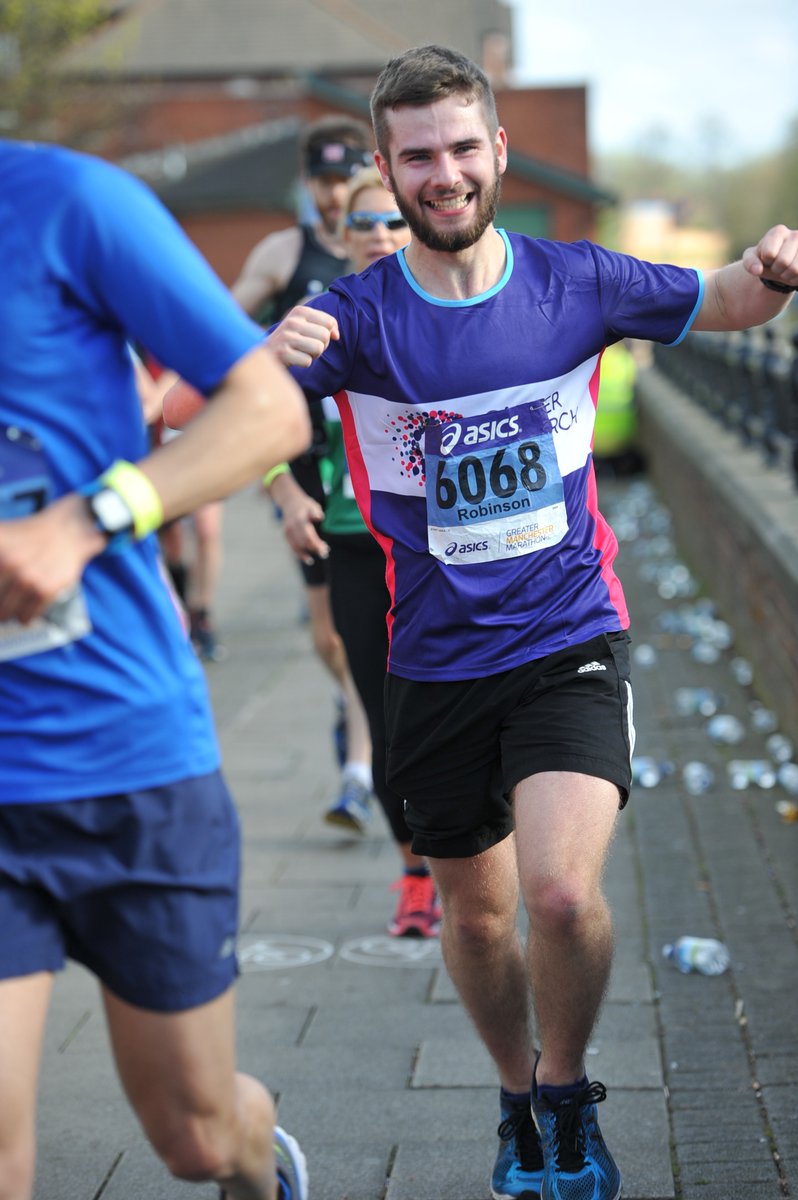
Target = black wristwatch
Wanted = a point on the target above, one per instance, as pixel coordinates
(111, 515)
(773, 286)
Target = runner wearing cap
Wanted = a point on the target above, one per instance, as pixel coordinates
(282, 270)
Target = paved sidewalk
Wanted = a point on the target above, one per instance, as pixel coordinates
(378, 1072)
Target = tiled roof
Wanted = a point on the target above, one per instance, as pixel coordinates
(253, 168)
(205, 38)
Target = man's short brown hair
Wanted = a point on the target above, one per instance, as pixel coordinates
(423, 75)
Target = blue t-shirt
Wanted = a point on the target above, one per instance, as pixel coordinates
(89, 258)
(468, 427)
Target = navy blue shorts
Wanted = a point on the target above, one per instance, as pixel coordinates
(140, 887)
(456, 750)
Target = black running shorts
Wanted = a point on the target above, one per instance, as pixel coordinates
(457, 749)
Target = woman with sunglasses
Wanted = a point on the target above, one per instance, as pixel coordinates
(372, 228)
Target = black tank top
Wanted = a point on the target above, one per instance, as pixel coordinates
(315, 270)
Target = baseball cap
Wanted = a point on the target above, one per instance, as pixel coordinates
(336, 158)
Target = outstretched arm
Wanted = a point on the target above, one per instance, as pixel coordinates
(736, 297)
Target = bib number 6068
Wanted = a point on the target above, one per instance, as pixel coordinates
(503, 478)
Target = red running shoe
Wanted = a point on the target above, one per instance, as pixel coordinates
(418, 913)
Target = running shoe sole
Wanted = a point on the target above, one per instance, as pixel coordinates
(414, 931)
(344, 820)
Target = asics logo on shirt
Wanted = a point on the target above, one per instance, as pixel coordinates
(464, 548)
(473, 435)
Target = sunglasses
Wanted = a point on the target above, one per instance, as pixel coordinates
(364, 222)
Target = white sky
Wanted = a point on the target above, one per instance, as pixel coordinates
(676, 66)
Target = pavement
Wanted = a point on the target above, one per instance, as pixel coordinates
(377, 1070)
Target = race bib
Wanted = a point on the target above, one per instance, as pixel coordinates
(494, 487)
(25, 488)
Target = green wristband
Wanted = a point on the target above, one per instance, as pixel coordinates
(138, 493)
(270, 476)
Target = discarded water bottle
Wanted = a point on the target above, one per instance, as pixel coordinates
(697, 777)
(691, 700)
(745, 771)
(742, 671)
(725, 728)
(763, 720)
(644, 655)
(720, 634)
(704, 652)
(704, 956)
(787, 776)
(675, 580)
(648, 772)
(779, 748)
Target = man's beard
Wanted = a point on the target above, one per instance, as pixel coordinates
(456, 240)
(330, 221)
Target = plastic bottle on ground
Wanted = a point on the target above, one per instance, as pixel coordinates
(691, 700)
(725, 728)
(742, 671)
(745, 771)
(644, 655)
(763, 720)
(697, 777)
(787, 776)
(647, 772)
(779, 747)
(702, 956)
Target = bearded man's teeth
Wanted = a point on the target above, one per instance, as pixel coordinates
(449, 205)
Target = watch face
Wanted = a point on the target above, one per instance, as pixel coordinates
(111, 513)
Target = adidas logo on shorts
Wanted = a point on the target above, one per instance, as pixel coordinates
(591, 666)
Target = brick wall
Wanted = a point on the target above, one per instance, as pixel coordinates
(548, 123)
(226, 239)
(736, 524)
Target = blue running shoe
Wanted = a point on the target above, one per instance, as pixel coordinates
(518, 1173)
(352, 809)
(204, 638)
(578, 1165)
(292, 1171)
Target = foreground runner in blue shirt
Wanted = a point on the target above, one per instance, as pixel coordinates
(466, 372)
(119, 843)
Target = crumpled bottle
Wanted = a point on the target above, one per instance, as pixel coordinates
(779, 747)
(725, 728)
(702, 956)
(787, 776)
(745, 771)
(691, 700)
(697, 777)
(742, 671)
(763, 720)
(644, 655)
(648, 772)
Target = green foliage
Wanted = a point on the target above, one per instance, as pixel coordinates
(32, 34)
(741, 202)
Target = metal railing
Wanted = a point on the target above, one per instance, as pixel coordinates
(748, 381)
